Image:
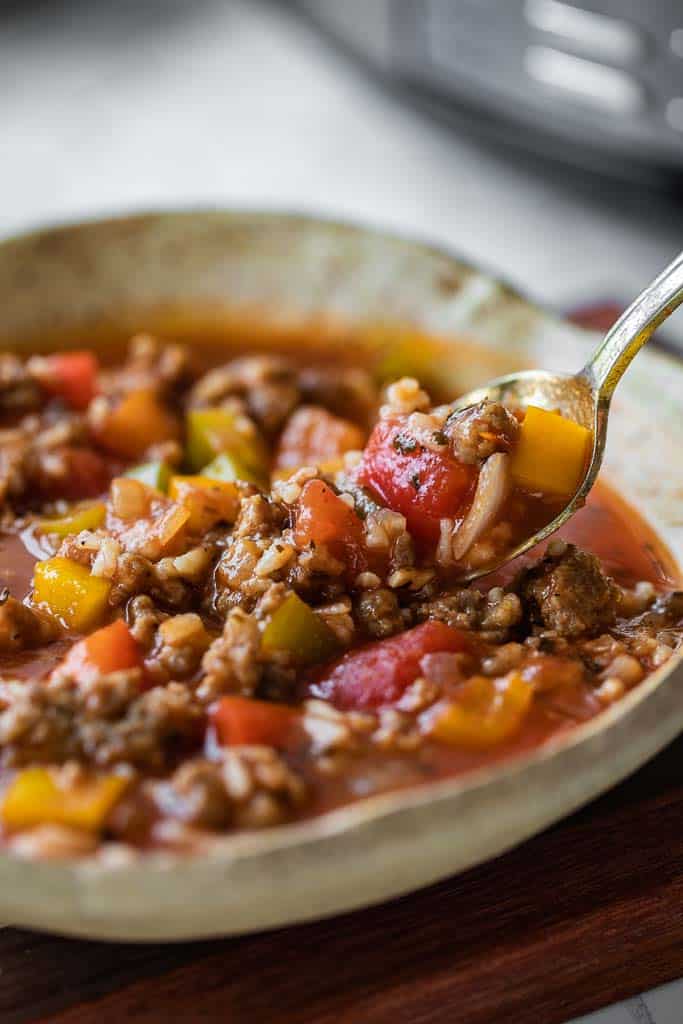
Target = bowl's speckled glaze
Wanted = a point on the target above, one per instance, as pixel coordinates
(262, 274)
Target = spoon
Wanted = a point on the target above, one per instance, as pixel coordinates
(585, 397)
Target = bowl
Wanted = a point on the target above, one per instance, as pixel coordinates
(266, 278)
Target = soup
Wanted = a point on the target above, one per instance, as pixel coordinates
(232, 591)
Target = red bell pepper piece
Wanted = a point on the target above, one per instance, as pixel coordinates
(377, 674)
(71, 376)
(110, 649)
(323, 518)
(240, 721)
(424, 485)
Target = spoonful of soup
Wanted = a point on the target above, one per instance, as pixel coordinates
(481, 481)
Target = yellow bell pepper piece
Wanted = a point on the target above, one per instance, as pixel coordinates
(68, 591)
(295, 627)
(227, 466)
(35, 798)
(487, 712)
(551, 453)
(80, 517)
(208, 501)
(212, 432)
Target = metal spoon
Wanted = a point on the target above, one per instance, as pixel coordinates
(585, 396)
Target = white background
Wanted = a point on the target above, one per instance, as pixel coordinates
(118, 104)
(109, 105)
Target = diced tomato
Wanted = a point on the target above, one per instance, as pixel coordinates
(240, 721)
(425, 486)
(71, 376)
(377, 674)
(323, 518)
(88, 475)
(110, 649)
(313, 435)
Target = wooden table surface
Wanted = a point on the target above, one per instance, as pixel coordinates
(585, 914)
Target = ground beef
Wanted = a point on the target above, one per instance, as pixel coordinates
(269, 388)
(386, 535)
(477, 432)
(344, 390)
(143, 618)
(249, 788)
(266, 386)
(14, 446)
(180, 644)
(232, 664)
(22, 627)
(378, 613)
(261, 551)
(175, 582)
(568, 593)
(263, 789)
(20, 392)
(151, 365)
(42, 456)
(195, 794)
(105, 724)
(240, 580)
(495, 614)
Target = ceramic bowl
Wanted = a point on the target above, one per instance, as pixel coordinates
(271, 275)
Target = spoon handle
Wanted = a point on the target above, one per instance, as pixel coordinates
(633, 328)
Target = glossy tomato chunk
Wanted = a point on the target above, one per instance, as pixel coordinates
(323, 518)
(377, 674)
(71, 376)
(424, 485)
(240, 721)
(87, 475)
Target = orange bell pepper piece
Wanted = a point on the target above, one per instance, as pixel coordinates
(487, 712)
(110, 649)
(137, 422)
(208, 501)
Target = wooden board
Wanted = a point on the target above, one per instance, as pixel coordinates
(587, 913)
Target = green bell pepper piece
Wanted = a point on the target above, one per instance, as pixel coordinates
(230, 467)
(295, 627)
(154, 474)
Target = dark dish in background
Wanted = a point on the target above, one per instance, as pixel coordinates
(597, 84)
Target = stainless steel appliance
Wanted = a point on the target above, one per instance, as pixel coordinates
(597, 83)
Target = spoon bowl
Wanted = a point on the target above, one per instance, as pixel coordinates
(584, 397)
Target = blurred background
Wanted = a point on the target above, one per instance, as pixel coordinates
(542, 139)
